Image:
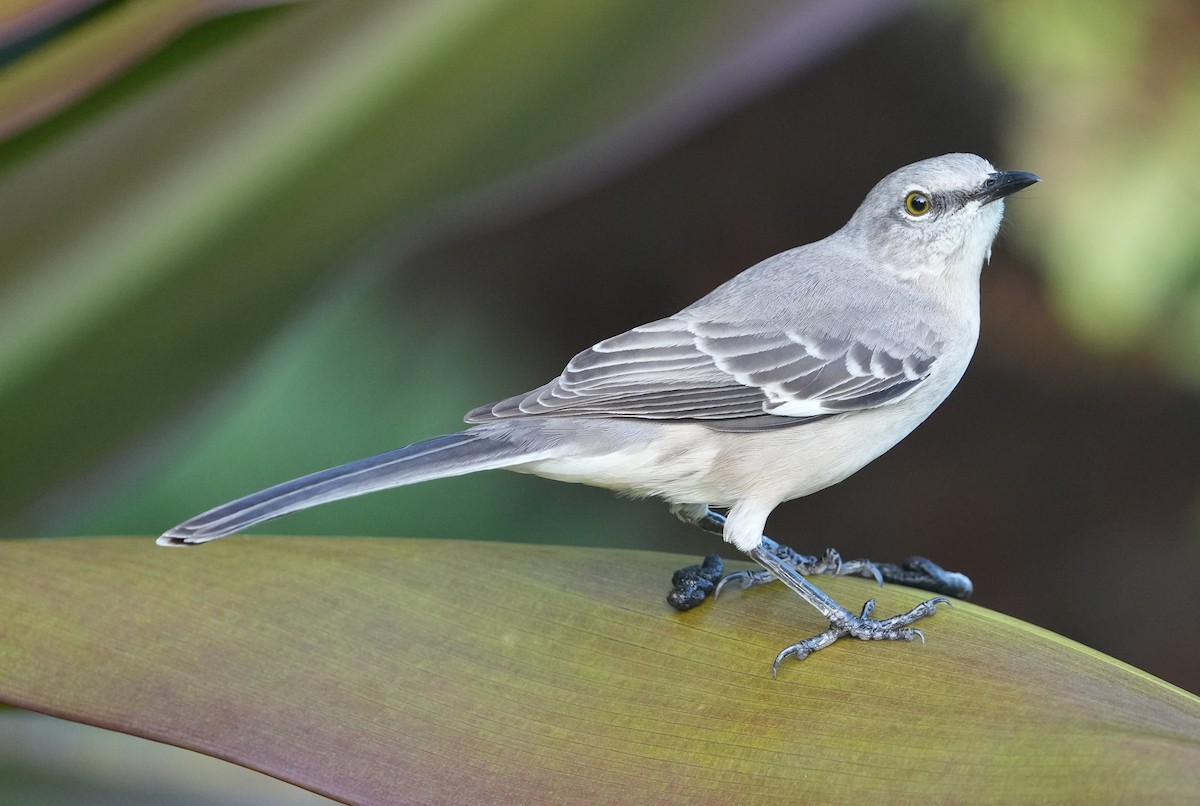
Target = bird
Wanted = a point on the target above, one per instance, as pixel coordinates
(781, 382)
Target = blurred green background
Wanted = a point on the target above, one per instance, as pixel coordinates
(247, 240)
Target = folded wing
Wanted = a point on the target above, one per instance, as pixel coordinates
(728, 376)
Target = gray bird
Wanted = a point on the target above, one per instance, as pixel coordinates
(781, 382)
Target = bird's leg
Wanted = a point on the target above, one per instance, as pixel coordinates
(830, 564)
(692, 585)
(842, 622)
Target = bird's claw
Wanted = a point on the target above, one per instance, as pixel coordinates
(743, 580)
(919, 572)
(864, 628)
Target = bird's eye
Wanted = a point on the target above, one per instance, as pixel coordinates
(917, 203)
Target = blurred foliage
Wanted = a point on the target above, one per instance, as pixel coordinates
(349, 377)
(55, 762)
(1108, 100)
(216, 229)
(154, 244)
(61, 52)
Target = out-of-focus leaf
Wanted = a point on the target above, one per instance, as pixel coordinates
(1108, 109)
(349, 381)
(385, 671)
(86, 57)
(148, 252)
(22, 19)
(54, 762)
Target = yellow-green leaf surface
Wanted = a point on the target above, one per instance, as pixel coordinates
(408, 671)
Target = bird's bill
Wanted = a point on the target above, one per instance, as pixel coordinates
(1005, 183)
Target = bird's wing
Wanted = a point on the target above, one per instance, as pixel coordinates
(744, 376)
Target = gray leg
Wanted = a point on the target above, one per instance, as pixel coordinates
(692, 585)
(831, 564)
(842, 622)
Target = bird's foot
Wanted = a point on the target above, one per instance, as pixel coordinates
(693, 585)
(918, 572)
(845, 624)
(842, 623)
(831, 564)
(690, 586)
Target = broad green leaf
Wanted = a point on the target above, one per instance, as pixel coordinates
(385, 671)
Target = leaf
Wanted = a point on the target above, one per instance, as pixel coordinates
(385, 671)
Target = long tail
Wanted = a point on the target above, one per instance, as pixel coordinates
(451, 455)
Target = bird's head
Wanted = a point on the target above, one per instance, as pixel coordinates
(938, 215)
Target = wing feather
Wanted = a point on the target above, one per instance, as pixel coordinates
(732, 376)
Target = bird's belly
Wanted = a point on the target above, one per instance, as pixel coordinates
(668, 465)
(688, 463)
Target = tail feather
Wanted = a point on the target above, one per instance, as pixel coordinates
(451, 455)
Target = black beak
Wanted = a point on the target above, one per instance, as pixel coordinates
(1004, 183)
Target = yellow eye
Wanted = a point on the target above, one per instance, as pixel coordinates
(917, 203)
